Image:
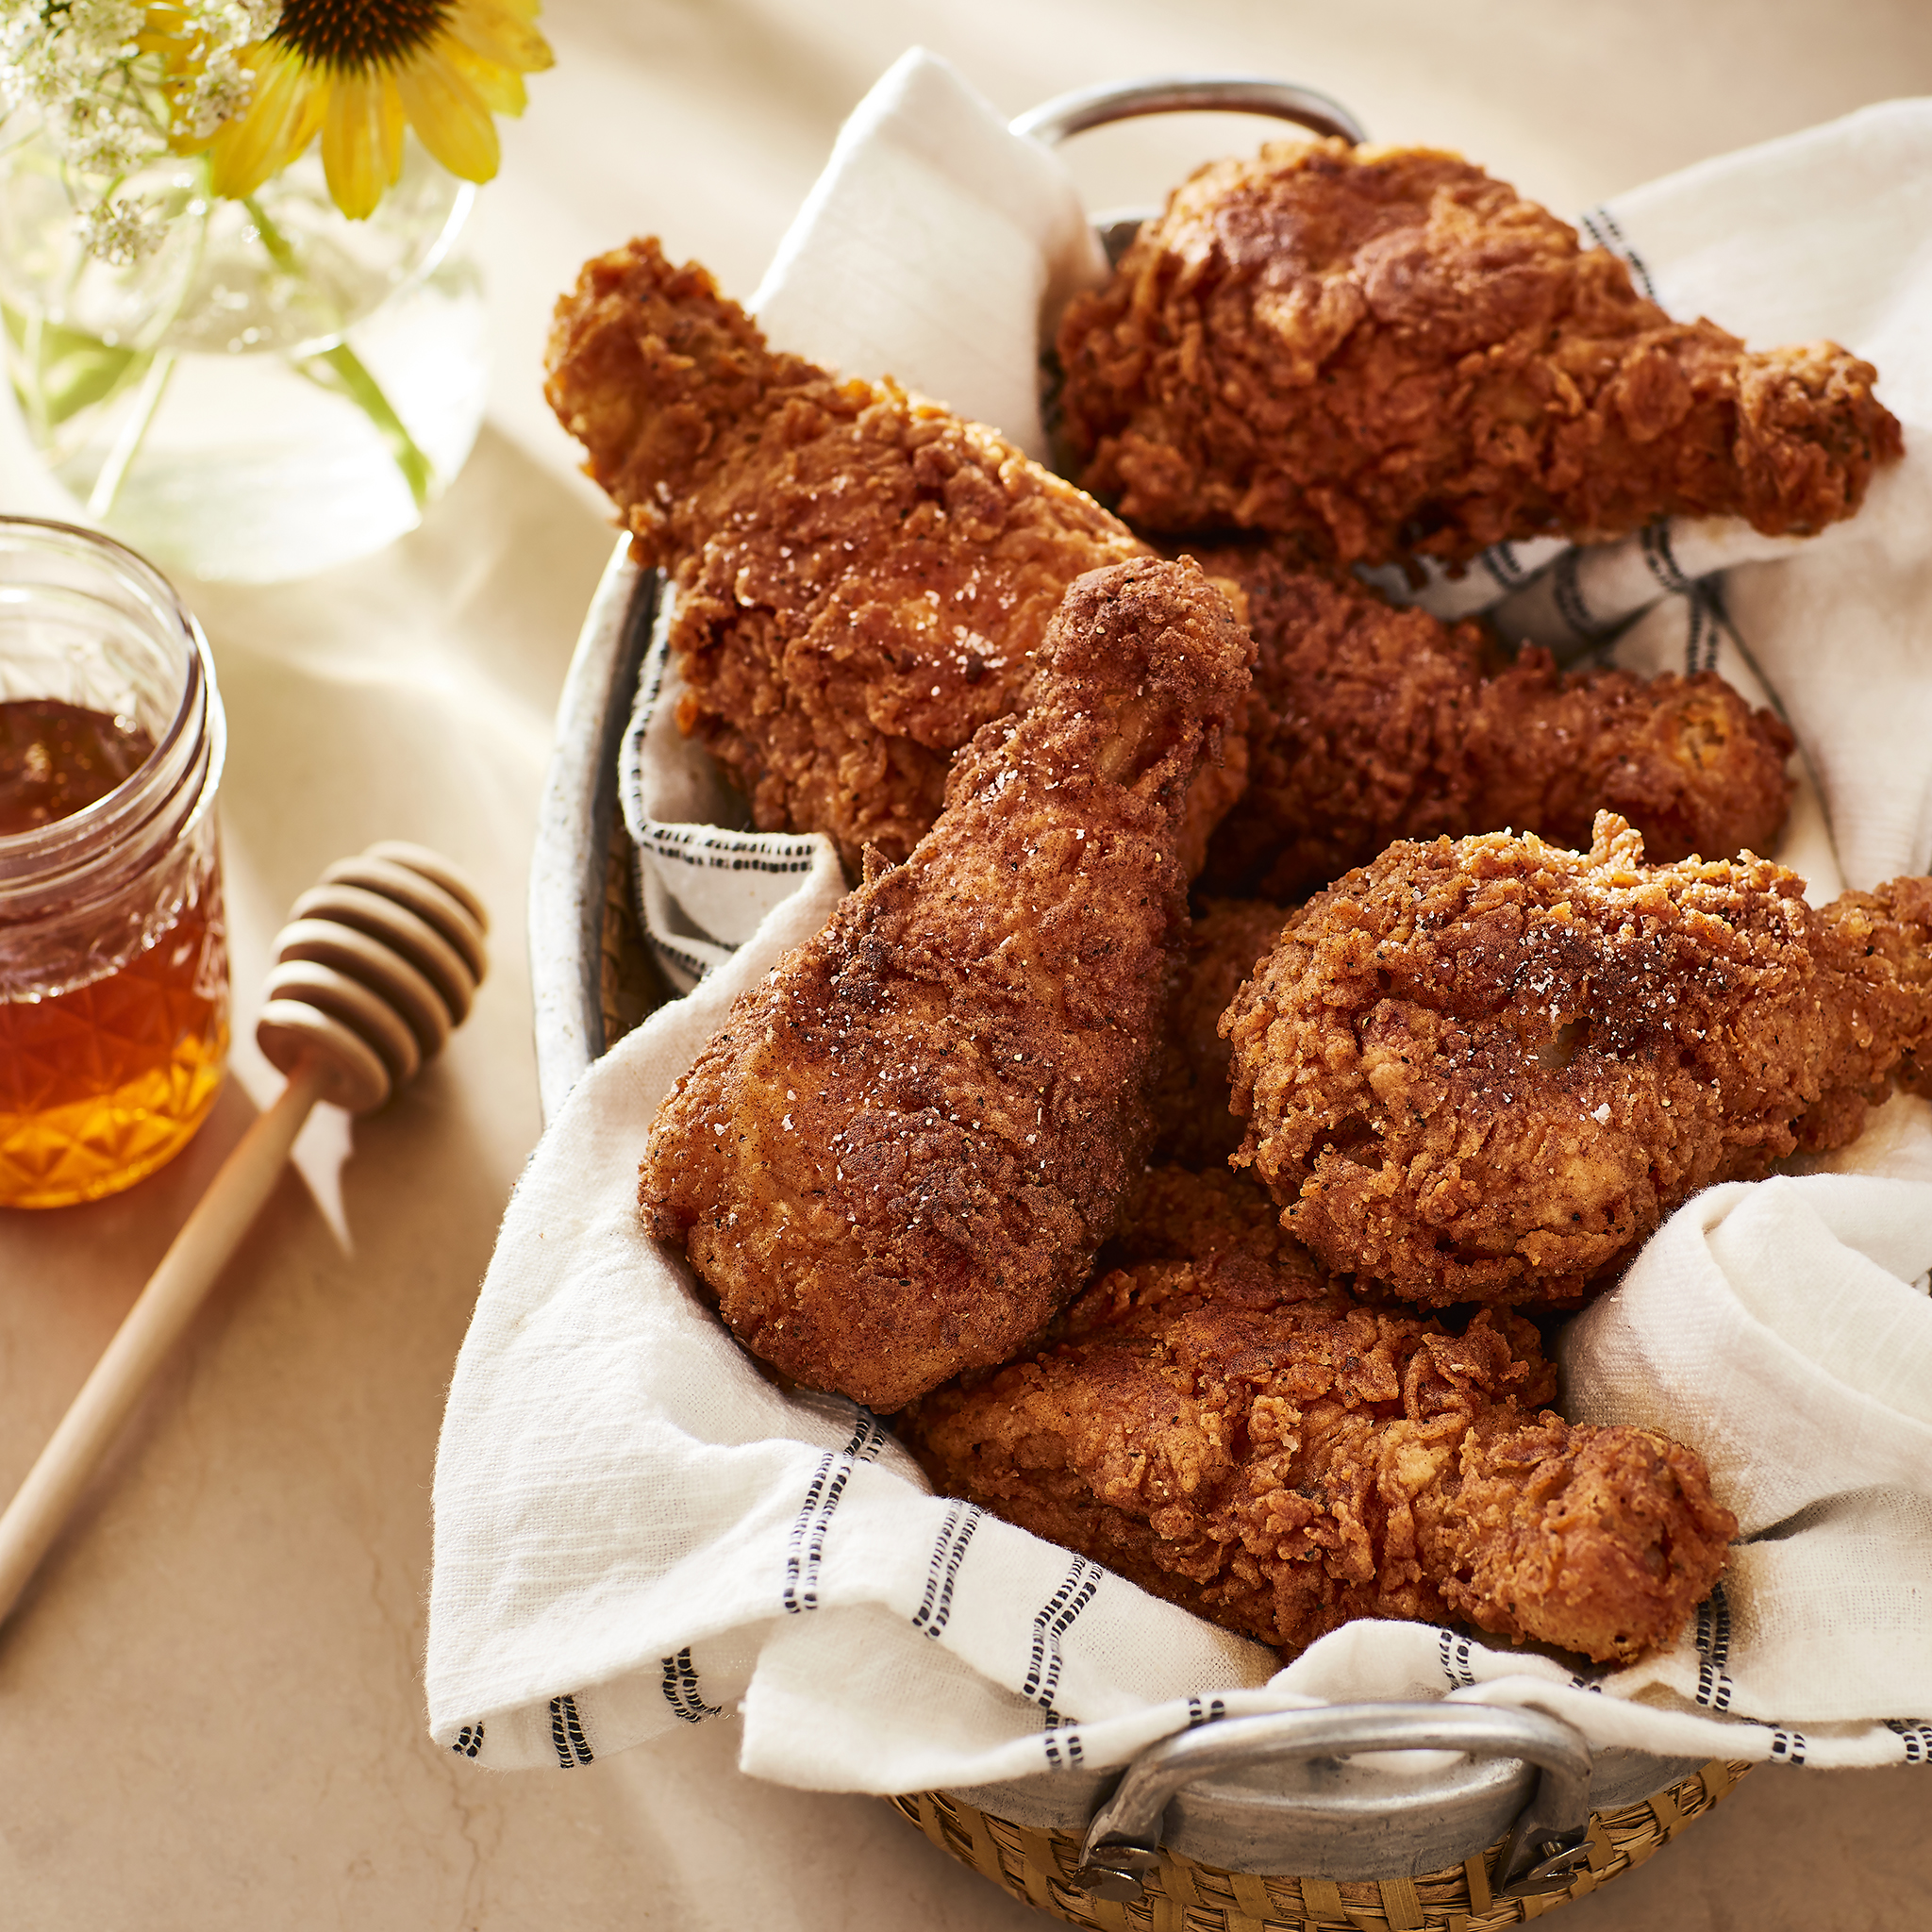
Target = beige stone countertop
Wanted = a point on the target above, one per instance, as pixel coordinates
(210, 1707)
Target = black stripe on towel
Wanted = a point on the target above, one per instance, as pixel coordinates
(567, 1733)
(1713, 1641)
(1705, 635)
(686, 961)
(1915, 1734)
(469, 1740)
(1600, 224)
(694, 846)
(682, 1691)
(1567, 593)
(1662, 560)
(805, 1549)
(1454, 1652)
(942, 1568)
(1061, 1742)
(1502, 562)
(1052, 1621)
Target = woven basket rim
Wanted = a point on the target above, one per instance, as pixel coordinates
(1185, 1895)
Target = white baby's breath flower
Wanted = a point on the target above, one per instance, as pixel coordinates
(252, 19)
(212, 28)
(65, 53)
(99, 135)
(107, 108)
(222, 90)
(103, 31)
(121, 230)
(21, 32)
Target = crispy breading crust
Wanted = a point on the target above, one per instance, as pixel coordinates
(1192, 1121)
(898, 1157)
(1487, 1070)
(1283, 1465)
(863, 578)
(1369, 723)
(1214, 1216)
(1896, 922)
(1381, 351)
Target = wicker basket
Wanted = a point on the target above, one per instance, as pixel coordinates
(1183, 1896)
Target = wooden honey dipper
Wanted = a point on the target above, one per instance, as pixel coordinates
(381, 962)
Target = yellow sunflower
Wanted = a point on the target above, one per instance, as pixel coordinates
(357, 72)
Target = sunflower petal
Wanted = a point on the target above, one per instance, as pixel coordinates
(351, 157)
(500, 89)
(498, 35)
(309, 120)
(271, 133)
(449, 116)
(393, 125)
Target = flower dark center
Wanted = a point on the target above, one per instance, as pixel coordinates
(358, 36)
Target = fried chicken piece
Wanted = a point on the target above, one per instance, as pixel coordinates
(1381, 351)
(1215, 1217)
(1283, 1465)
(1487, 1070)
(1192, 1121)
(898, 1157)
(1370, 722)
(862, 578)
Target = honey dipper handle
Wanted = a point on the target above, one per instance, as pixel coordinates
(150, 1329)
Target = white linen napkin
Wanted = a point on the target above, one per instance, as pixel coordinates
(932, 249)
(635, 1530)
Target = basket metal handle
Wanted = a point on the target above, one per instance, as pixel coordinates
(1544, 1848)
(1054, 121)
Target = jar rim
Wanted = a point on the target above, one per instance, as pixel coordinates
(189, 751)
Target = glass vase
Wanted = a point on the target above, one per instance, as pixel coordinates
(275, 389)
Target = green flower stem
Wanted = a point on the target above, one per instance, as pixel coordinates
(350, 378)
(342, 369)
(100, 499)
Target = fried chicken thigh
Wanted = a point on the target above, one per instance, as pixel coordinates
(862, 578)
(1283, 1465)
(1487, 1070)
(898, 1157)
(1370, 722)
(1381, 351)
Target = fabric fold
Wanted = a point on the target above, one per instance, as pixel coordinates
(930, 248)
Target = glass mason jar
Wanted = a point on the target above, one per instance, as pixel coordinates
(113, 959)
(274, 389)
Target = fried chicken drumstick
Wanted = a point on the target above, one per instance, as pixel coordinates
(1282, 1465)
(1381, 351)
(1487, 1070)
(898, 1157)
(1370, 722)
(862, 578)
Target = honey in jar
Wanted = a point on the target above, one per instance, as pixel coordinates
(114, 970)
